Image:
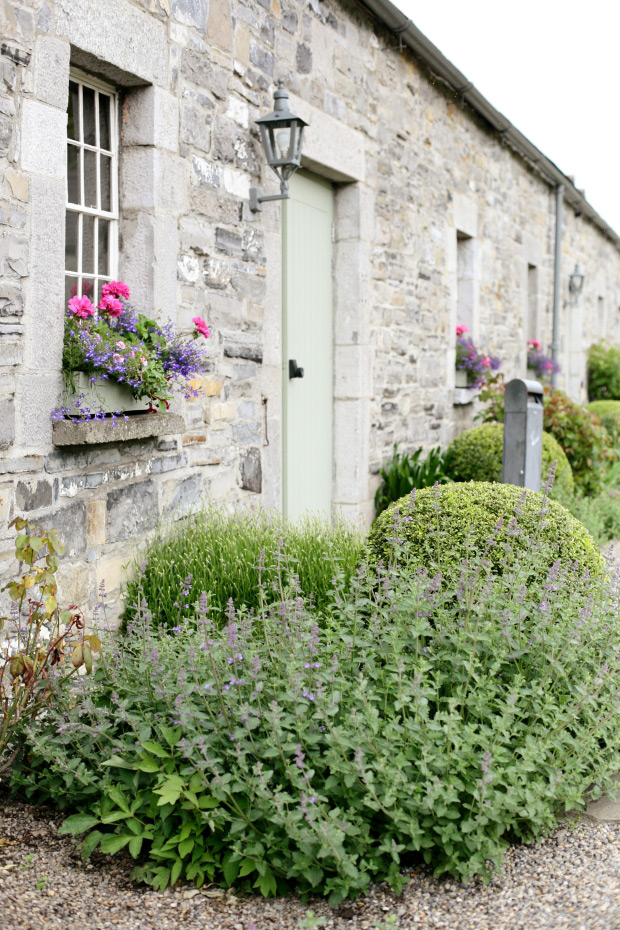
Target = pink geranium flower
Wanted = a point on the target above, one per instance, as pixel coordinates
(110, 305)
(461, 329)
(534, 343)
(82, 307)
(115, 289)
(201, 326)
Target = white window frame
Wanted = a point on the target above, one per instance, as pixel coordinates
(113, 216)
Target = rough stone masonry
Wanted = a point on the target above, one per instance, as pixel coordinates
(416, 175)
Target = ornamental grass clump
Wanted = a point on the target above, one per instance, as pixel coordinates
(419, 723)
(225, 554)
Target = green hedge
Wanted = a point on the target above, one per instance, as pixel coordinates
(476, 455)
(609, 413)
(463, 518)
(604, 372)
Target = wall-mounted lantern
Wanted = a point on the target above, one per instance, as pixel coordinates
(281, 134)
(575, 281)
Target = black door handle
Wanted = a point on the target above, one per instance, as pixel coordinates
(294, 371)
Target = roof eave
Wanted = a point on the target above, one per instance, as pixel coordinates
(396, 21)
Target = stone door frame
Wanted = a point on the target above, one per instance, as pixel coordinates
(336, 152)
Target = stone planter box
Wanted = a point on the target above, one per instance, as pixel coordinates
(463, 396)
(119, 429)
(109, 396)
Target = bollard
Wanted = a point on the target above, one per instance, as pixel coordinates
(523, 429)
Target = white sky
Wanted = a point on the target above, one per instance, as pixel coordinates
(552, 68)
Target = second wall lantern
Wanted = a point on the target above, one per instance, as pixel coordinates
(282, 135)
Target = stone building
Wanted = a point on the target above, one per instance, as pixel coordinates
(428, 205)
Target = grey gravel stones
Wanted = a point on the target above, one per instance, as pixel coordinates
(570, 881)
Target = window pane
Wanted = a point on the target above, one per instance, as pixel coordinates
(73, 174)
(88, 288)
(88, 244)
(104, 121)
(71, 288)
(106, 174)
(90, 178)
(74, 111)
(104, 248)
(71, 241)
(88, 110)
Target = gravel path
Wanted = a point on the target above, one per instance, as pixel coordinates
(571, 880)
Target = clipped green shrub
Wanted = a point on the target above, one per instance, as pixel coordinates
(604, 372)
(230, 555)
(476, 455)
(609, 413)
(440, 527)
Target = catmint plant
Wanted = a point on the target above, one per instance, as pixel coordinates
(416, 721)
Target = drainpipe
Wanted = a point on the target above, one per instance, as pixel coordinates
(557, 273)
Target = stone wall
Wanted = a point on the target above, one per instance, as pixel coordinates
(413, 171)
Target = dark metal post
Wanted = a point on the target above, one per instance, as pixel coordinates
(523, 432)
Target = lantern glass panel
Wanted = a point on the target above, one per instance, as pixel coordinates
(267, 140)
(283, 138)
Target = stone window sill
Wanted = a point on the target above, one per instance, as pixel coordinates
(462, 396)
(136, 426)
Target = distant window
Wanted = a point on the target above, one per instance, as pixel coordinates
(466, 282)
(532, 302)
(601, 322)
(91, 242)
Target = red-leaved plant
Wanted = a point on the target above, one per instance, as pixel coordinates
(44, 646)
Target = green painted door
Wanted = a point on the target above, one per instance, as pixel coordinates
(307, 341)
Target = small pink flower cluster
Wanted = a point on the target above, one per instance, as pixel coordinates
(109, 303)
(461, 329)
(201, 326)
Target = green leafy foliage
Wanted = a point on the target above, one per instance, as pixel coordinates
(581, 435)
(406, 471)
(476, 455)
(604, 372)
(600, 515)
(420, 721)
(226, 555)
(608, 412)
(153, 802)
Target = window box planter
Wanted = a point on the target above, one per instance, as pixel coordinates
(107, 396)
(462, 396)
(117, 429)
